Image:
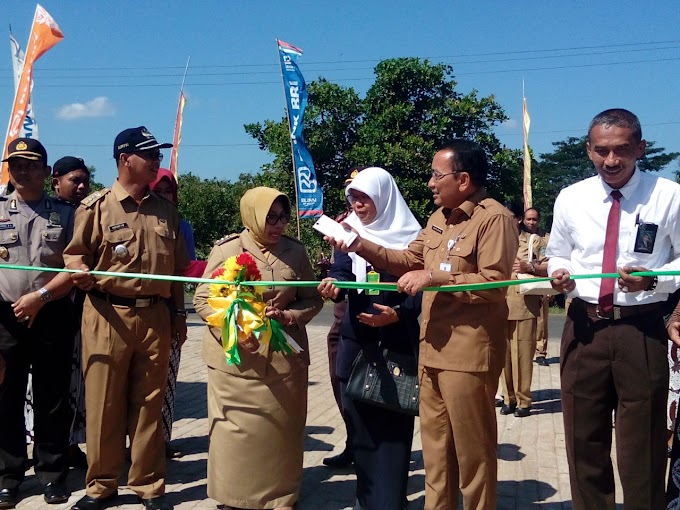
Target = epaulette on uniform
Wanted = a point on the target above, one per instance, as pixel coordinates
(92, 199)
(294, 239)
(226, 239)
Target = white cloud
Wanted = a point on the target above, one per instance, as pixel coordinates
(509, 125)
(97, 107)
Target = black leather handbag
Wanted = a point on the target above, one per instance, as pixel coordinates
(388, 380)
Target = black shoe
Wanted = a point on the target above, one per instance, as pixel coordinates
(345, 459)
(498, 402)
(172, 453)
(56, 492)
(508, 409)
(542, 361)
(90, 503)
(159, 503)
(522, 412)
(8, 498)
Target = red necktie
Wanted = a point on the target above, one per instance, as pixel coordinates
(611, 241)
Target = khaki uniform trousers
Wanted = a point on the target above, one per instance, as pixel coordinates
(519, 367)
(459, 435)
(542, 328)
(125, 363)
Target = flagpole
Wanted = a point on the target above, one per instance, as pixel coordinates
(292, 150)
(181, 89)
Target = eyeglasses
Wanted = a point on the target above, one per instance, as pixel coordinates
(149, 155)
(437, 176)
(273, 219)
(363, 198)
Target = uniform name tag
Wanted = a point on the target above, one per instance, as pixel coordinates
(437, 229)
(445, 266)
(6, 226)
(113, 228)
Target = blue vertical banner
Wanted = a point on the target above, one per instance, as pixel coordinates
(309, 193)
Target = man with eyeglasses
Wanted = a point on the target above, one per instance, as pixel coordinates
(470, 239)
(127, 323)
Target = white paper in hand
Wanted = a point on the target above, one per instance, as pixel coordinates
(331, 228)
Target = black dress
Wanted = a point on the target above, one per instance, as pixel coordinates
(381, 438)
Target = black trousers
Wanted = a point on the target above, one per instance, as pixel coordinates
(381, 443)
(619, 366)
(47, 347)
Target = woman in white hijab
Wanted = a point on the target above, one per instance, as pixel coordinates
(381, 438)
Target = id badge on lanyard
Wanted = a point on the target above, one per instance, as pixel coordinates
(446, 266)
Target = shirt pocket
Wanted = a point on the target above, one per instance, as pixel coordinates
(120, 246)
(52, 247)
(462, 258)
(9, 247)
(432, 253)
(289, 274)
(165, 240)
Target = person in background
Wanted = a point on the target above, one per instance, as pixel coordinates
(165, 185)
(257, 409)
(530, 224)
(128, 229)
(70, 180)
(71, 184)
(346, 457)
(381, 438)
(523, 311)
(37, 326)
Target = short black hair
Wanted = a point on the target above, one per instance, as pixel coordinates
(468, 156)
(618, 117)
(532, 209)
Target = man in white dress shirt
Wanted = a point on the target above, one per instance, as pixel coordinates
(613, 350)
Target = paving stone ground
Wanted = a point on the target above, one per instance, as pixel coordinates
(532, 469)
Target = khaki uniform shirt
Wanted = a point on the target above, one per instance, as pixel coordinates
(114, 233)
(31, 237)
(520, 306)
(287, 261)
(475, 243)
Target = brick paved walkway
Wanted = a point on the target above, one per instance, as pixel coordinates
(532, 467)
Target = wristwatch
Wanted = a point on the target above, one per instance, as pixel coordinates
(45, 294)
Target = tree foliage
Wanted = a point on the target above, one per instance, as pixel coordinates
(412, 108)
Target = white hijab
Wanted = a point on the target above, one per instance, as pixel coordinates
(394, 225)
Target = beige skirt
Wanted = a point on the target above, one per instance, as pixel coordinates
(257, 431)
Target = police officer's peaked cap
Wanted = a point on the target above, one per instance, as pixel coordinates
(26, 148)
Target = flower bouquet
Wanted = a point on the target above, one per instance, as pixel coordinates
(240, 312)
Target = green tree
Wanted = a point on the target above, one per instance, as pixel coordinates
(569, 163)
(412, 108)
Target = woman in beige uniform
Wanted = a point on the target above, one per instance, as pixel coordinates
(257, 409)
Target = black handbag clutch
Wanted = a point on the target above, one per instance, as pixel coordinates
(389, 380)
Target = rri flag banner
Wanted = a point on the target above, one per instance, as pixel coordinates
(309, 194)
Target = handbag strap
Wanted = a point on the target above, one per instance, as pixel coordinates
(531, 246)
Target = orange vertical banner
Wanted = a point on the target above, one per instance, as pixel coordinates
(45, 33)
(526, 122)
(177, 138)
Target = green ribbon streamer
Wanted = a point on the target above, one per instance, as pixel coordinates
(342, 285)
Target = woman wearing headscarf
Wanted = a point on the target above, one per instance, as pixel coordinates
(381, 438)
(166, 186)
(257, 409)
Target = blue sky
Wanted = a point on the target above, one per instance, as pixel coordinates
(122, 61)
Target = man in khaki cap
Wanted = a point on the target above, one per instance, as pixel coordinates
(128, 322)
(37, 326)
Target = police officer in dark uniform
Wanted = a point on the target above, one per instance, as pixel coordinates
(70, 179)
(36, 325)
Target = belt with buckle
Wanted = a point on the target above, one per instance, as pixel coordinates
(618, 312)
(138, 302)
